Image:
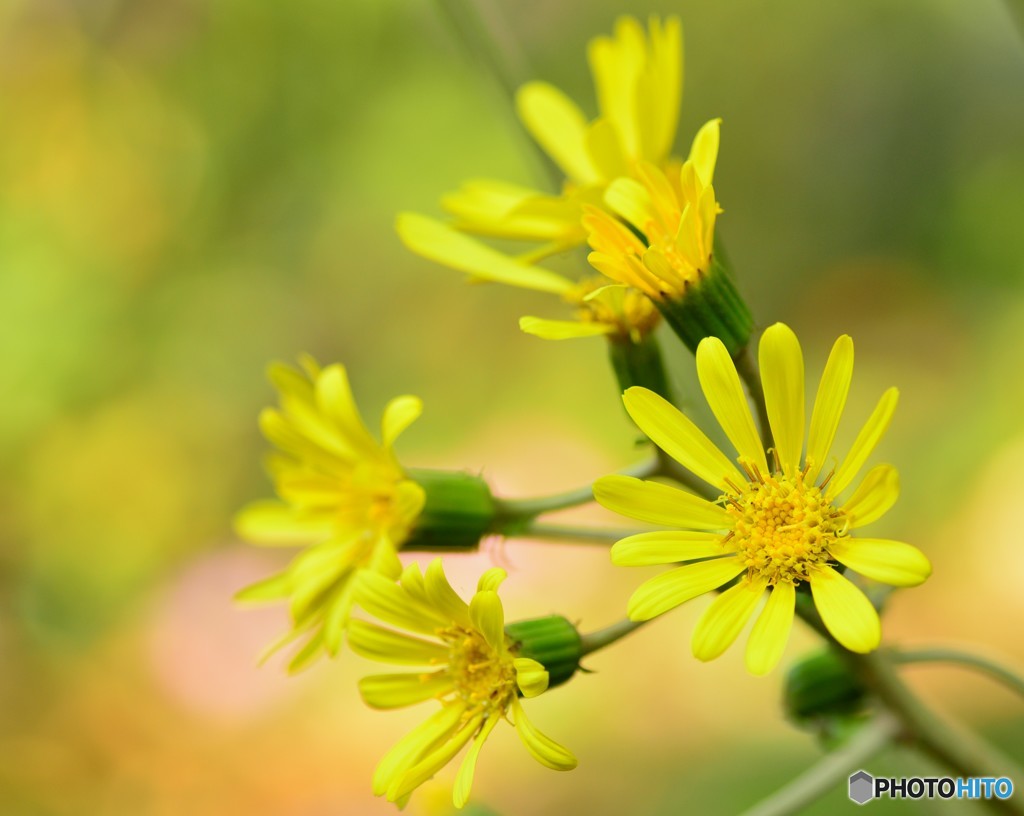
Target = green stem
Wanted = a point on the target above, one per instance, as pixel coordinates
(593, 641)
(593, 535)
(994, 670)
(747, 369)
(831, 770)
(513, 510)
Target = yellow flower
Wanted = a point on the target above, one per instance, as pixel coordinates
(474, 673)
(343, 496)
(777, 527)
(638, 78)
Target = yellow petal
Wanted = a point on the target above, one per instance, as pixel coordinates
(675, 434)
(334, 400)
(439, 242)
(704, 151)
(489, 618)
(531, 677)
(562, 329)
(771, 630)
(723, 621)
(399, 414)
(782, 375)
(721, 386)
(464, 779)
(870, 435)
(873, 497)
(408, 750)
(665, 547)
(491, 580)
(891, 562)
(442, 597)
(670, 589)
(412, 582)
(275, 588)
(386, 600)
(433, 761)
(386, 691)
(605, 150)
(846, 611)
(630, 200)
(276, 524)
(387, 646)
(559, 127)
(829, 404)
(541, 747)
(658, 503)
(617, 64)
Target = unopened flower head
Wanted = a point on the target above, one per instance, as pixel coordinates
(470, 666)
(343, 496)
(776, 527)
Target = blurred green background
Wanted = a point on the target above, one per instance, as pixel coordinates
(189, 190)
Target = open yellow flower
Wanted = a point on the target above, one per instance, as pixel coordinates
(343, 496)
(474, 672)
(776, 527)
(638, 77)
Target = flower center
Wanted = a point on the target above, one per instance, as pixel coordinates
(783, 528)
(632, 313)
(482, 678)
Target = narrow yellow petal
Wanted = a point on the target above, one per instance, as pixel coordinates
(386, 691)
(412, 582)
(891, 562)
(658, 503)
(829, 404)
(386, 600)
(630, 200)
(559, 127)
(665, 547)
(874, 496)
(408, 750)
(672, 588)
(846, 611)
(464, 779)
(771, 630)
(334, 400)
(723, 621)
(433, 761)
(721, 386)
(399, 414)
(491, 580)
(676, 434)
(442, 597)
(387, 646)
(782, 375)
(276, 524)
(870, 435)
(704, 151)
(275, 588)
(562, 329)
(445, 245)
(541, 747)
(531, 677)
(489, 618)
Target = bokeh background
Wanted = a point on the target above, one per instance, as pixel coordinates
(189, 190)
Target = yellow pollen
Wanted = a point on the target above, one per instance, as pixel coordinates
(783, 528)
(482, 678)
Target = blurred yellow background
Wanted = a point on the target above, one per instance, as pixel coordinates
(189, 190)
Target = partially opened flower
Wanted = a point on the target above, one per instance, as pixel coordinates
(778, 527)
(472, 666)
(344, 497)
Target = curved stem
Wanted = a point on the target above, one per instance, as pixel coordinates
(831, 770)
(593, 641)
(592, 535)
(969, 660)
(747, 369)
(524, 509)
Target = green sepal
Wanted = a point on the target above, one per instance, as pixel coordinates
(710, 307)
(552, 641)
(459, 510)
(823, 686)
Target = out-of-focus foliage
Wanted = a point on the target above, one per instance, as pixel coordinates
(188, 190)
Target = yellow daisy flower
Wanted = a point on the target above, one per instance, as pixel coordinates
(776, 527)
(343, 496)
(659, 238)
(476, 671)
(638, 78)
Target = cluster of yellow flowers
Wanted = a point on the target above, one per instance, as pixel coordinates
(775, 521)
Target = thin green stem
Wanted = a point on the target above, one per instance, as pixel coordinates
(964, 658)
(831, 770)
(593, 641)
(747, 369)
(591, 535)
(511, 510)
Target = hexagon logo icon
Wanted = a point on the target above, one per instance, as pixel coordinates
(862, 787)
